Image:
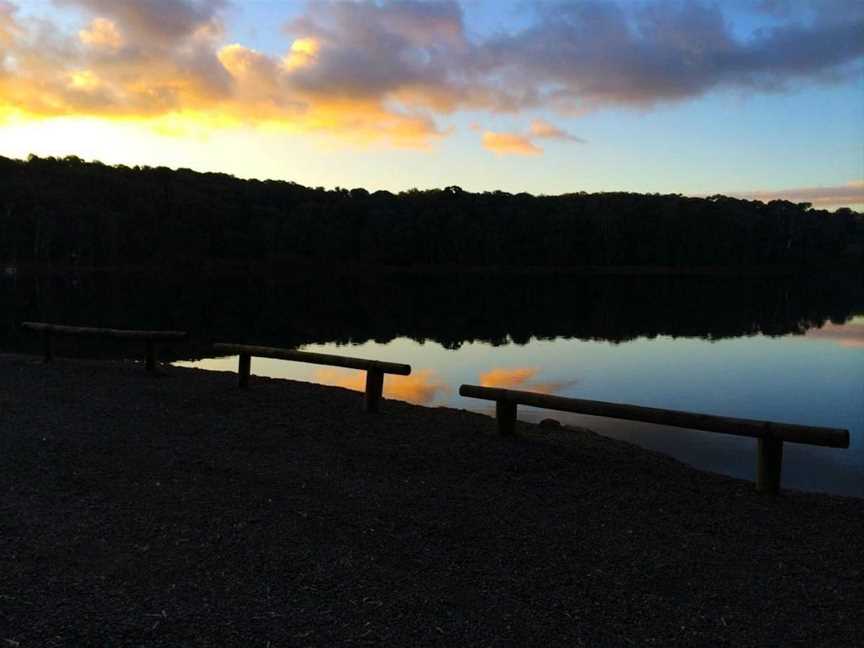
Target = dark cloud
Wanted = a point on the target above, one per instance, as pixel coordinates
(591, 54)
(370, 49)
(155, 21)
(788, 9)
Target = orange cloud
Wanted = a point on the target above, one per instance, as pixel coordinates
(423, 386)
(521, 378)
(507, 378)
(9, 29)
(509, 144)
(518, 144)
(541, 128)
(301, 53)
(163, 63)
(101, 33)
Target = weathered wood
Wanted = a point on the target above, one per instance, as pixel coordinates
(314, 358)
(150, 337)
(374, 388)
(62, 329)
(505, 414)
(769, 464)
(150, 355)
(244, 369)
(822, 436)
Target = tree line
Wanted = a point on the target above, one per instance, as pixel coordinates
(71, 212)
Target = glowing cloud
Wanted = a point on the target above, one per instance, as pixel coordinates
(162, 62)
(101, 33)
(522, 144)
(509, 144)
(301, 54)
(9, 29)
(542, 129)
(84, 80)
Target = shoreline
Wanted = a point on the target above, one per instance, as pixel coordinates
(181, 510)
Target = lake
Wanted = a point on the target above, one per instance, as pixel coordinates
(778, 348)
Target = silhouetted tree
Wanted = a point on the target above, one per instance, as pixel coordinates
(67, 211)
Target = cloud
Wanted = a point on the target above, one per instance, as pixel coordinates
(586, 55)
(9, 29)
(521, 378)
(130, 70)
(163, 22)
(164, 60)
(509, 144)
(542, 129)
(842, 195)
(422, 387)
(522, 144)
(101, 32)
(394, 72)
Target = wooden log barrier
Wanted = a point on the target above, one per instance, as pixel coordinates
(375, 369)
(770, 434)
(244, 369)
(150, 338)
(374, 389)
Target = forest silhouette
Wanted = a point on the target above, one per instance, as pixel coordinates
(63, 212)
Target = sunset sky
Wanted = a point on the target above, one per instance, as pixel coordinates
(758, 98)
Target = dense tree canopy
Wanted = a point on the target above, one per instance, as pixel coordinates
(67, 211)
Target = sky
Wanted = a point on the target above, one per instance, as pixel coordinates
(754, 98)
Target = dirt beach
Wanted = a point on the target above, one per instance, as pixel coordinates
(182, 511)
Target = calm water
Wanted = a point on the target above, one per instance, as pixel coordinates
(816, 378)
(777, 348)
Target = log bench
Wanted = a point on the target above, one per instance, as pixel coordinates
(374, 369)
(150, 338)
(769, 434)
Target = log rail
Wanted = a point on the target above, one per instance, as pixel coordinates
(375, 369)
(150, 338)
(770, 434)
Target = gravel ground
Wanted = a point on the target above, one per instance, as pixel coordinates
(181, 511)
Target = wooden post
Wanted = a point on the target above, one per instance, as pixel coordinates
(505, 413)
(374, 388)
(49, 346)
(244, 368)
(768, 466)
(151, 355)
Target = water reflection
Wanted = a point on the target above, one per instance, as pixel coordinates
(423, 386)
(780, 348)
(522, 378)
(452, 310)
(850, 334)
(797, 379)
